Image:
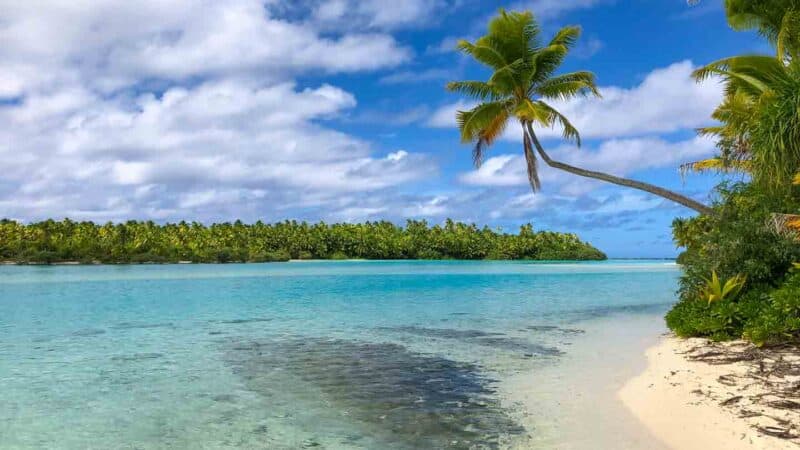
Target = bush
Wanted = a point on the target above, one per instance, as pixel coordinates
(274, 256)
(38, 257)
(738, 241)
(147, 258)
(338, 256)
(719, 321)
(779, 320)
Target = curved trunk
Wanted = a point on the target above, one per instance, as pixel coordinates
(655, 190)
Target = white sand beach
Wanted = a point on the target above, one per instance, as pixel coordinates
(689, 404)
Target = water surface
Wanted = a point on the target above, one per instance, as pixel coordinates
(289, 355)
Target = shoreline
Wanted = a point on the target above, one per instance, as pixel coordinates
(184, 262)
(695, 394)
(572, 404)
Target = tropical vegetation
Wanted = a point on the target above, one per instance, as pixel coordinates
(147, 242)
(753, 237)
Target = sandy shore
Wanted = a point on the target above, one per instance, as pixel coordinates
(698, 395)
(573, 404)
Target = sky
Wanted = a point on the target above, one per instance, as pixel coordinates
(336, 110)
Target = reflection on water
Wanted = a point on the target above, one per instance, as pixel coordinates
(285, 356)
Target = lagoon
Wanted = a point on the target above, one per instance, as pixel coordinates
(323, 354)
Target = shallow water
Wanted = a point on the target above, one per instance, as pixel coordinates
(291, 355)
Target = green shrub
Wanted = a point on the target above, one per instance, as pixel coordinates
(338, 256)
(737, 243)
(720, 320)
(779, 320)
(273, 256)
(738, 240)
(143, 258)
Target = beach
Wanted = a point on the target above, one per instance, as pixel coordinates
(694, 394)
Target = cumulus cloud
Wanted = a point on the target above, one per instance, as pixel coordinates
(617, 156)
(113, 44)
(188, 109)
(378, 13)
(549, 9)
(667, 100)
(418, 76)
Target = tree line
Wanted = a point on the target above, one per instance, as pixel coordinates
(53, 241)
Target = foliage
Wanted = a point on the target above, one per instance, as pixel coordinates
(138, 242)
(718, 320)
(716, 291)
(754, 232)
(738, 241)
(780, 319)
(522, 83)
(759, 130)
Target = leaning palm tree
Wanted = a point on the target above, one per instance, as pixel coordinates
(522, 81)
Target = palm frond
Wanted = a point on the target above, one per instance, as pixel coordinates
(568, 85)
(482, 53)
(568, 131)
(749, 73)
(716, 164)
(478, 153)
(545, 62)
(788, 38)
(476, 89)
(495, 128)
(473, 122)
(513, 34)
(567, 36)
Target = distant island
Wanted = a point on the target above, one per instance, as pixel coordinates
(137, 242)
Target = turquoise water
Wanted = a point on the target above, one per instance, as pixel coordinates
(291, 355)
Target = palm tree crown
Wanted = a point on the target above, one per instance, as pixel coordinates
(523, 80)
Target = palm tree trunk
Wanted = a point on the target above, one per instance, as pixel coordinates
(655, 190)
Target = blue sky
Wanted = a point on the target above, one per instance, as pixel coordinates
(336, 110)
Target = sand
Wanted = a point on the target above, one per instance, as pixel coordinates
(689, 404)
(573, 404)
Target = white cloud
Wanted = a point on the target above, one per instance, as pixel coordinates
(187, 109)
(587, 48)
(549, 9)
(445, 116)
(378, 14)
(113, 44)
(419, 76)
(215, 144)
(617, 156)
(667, 100)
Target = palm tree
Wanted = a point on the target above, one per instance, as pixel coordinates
(522, 79)
(759, 129)
(777, 20)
